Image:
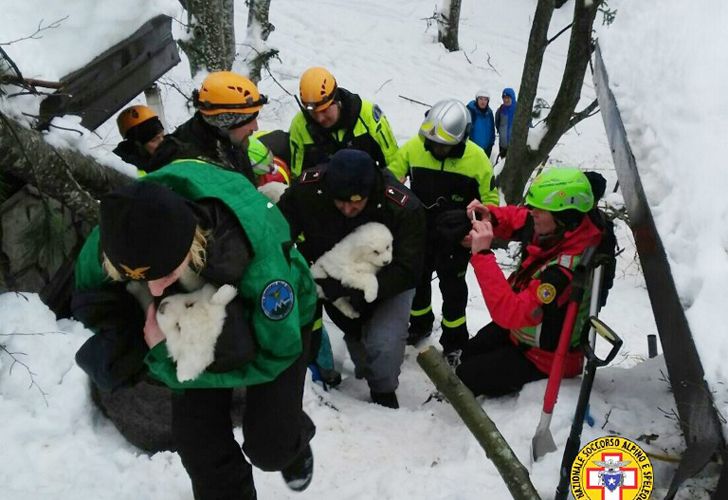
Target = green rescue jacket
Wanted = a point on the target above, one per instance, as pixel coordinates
(362, 126)
(276, 287)
(445, 184)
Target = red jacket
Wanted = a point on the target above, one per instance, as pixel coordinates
(514, 303)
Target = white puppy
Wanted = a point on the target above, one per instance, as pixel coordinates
(192, 322)
(354, 261)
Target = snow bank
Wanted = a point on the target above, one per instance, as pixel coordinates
(668, 64)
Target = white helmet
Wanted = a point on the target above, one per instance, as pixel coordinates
(482, 93)
(447, 122)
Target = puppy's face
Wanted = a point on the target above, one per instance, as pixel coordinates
(169, 313)
(379, 253)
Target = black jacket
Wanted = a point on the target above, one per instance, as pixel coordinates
(310, 211)
(131, 152)
(196, 139)
(114, 356)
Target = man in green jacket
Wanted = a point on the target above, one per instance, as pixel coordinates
(332, 118)
(446, 172)
(185, 225)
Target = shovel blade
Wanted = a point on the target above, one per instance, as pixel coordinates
(542, 442)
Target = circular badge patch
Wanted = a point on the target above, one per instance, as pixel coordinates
(611, 468)
(546, 293)
(277, 300)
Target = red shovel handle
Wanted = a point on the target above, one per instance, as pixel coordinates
(557, 367)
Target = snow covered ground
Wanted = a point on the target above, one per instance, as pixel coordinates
(55, 445)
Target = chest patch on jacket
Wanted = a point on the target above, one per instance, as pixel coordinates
(546, 293)
(376, 112)
(277, 300)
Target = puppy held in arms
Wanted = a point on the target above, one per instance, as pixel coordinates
(191, 322)
(354, 262)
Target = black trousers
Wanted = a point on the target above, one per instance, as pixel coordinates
(491, 365)
(450, 269)
(275, 431)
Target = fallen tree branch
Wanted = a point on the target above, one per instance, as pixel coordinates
(32, 82)
(496, 448)
(77, 183)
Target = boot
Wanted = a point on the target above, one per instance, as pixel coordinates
(299, 473)
(453, 358)
(453, 339)
(330, 377)
(420, 327)
(388, 399)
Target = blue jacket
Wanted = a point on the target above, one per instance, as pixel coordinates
(482, 131)
(504, 119)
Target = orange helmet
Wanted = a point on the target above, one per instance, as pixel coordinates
(133, 116)
(228, 92)
(317, 89)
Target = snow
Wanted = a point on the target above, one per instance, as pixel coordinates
(675, 126)
(57, 445)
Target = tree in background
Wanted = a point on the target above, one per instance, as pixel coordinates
(524, 155)
(259, 28)
(448, 19)
(211, 46)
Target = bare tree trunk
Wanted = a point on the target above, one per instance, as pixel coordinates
(212, 45)
(448, 21)
(521, 160)
(259, 28)
(496, 448)
(73, 179)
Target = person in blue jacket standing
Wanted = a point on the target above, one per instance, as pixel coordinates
(482, 131)
(504, 120)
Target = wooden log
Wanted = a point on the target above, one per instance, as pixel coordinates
(496, 448)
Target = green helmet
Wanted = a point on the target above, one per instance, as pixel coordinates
(559, 189)
(261, 159)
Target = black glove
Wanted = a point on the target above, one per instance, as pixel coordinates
(356, 299)
(452, 226)
(333, 289)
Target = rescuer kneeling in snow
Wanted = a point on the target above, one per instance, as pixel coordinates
(529, 307)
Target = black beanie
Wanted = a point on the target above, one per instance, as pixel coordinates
(145, 131)
(350, 175)
(146, 230)
(453, 225)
